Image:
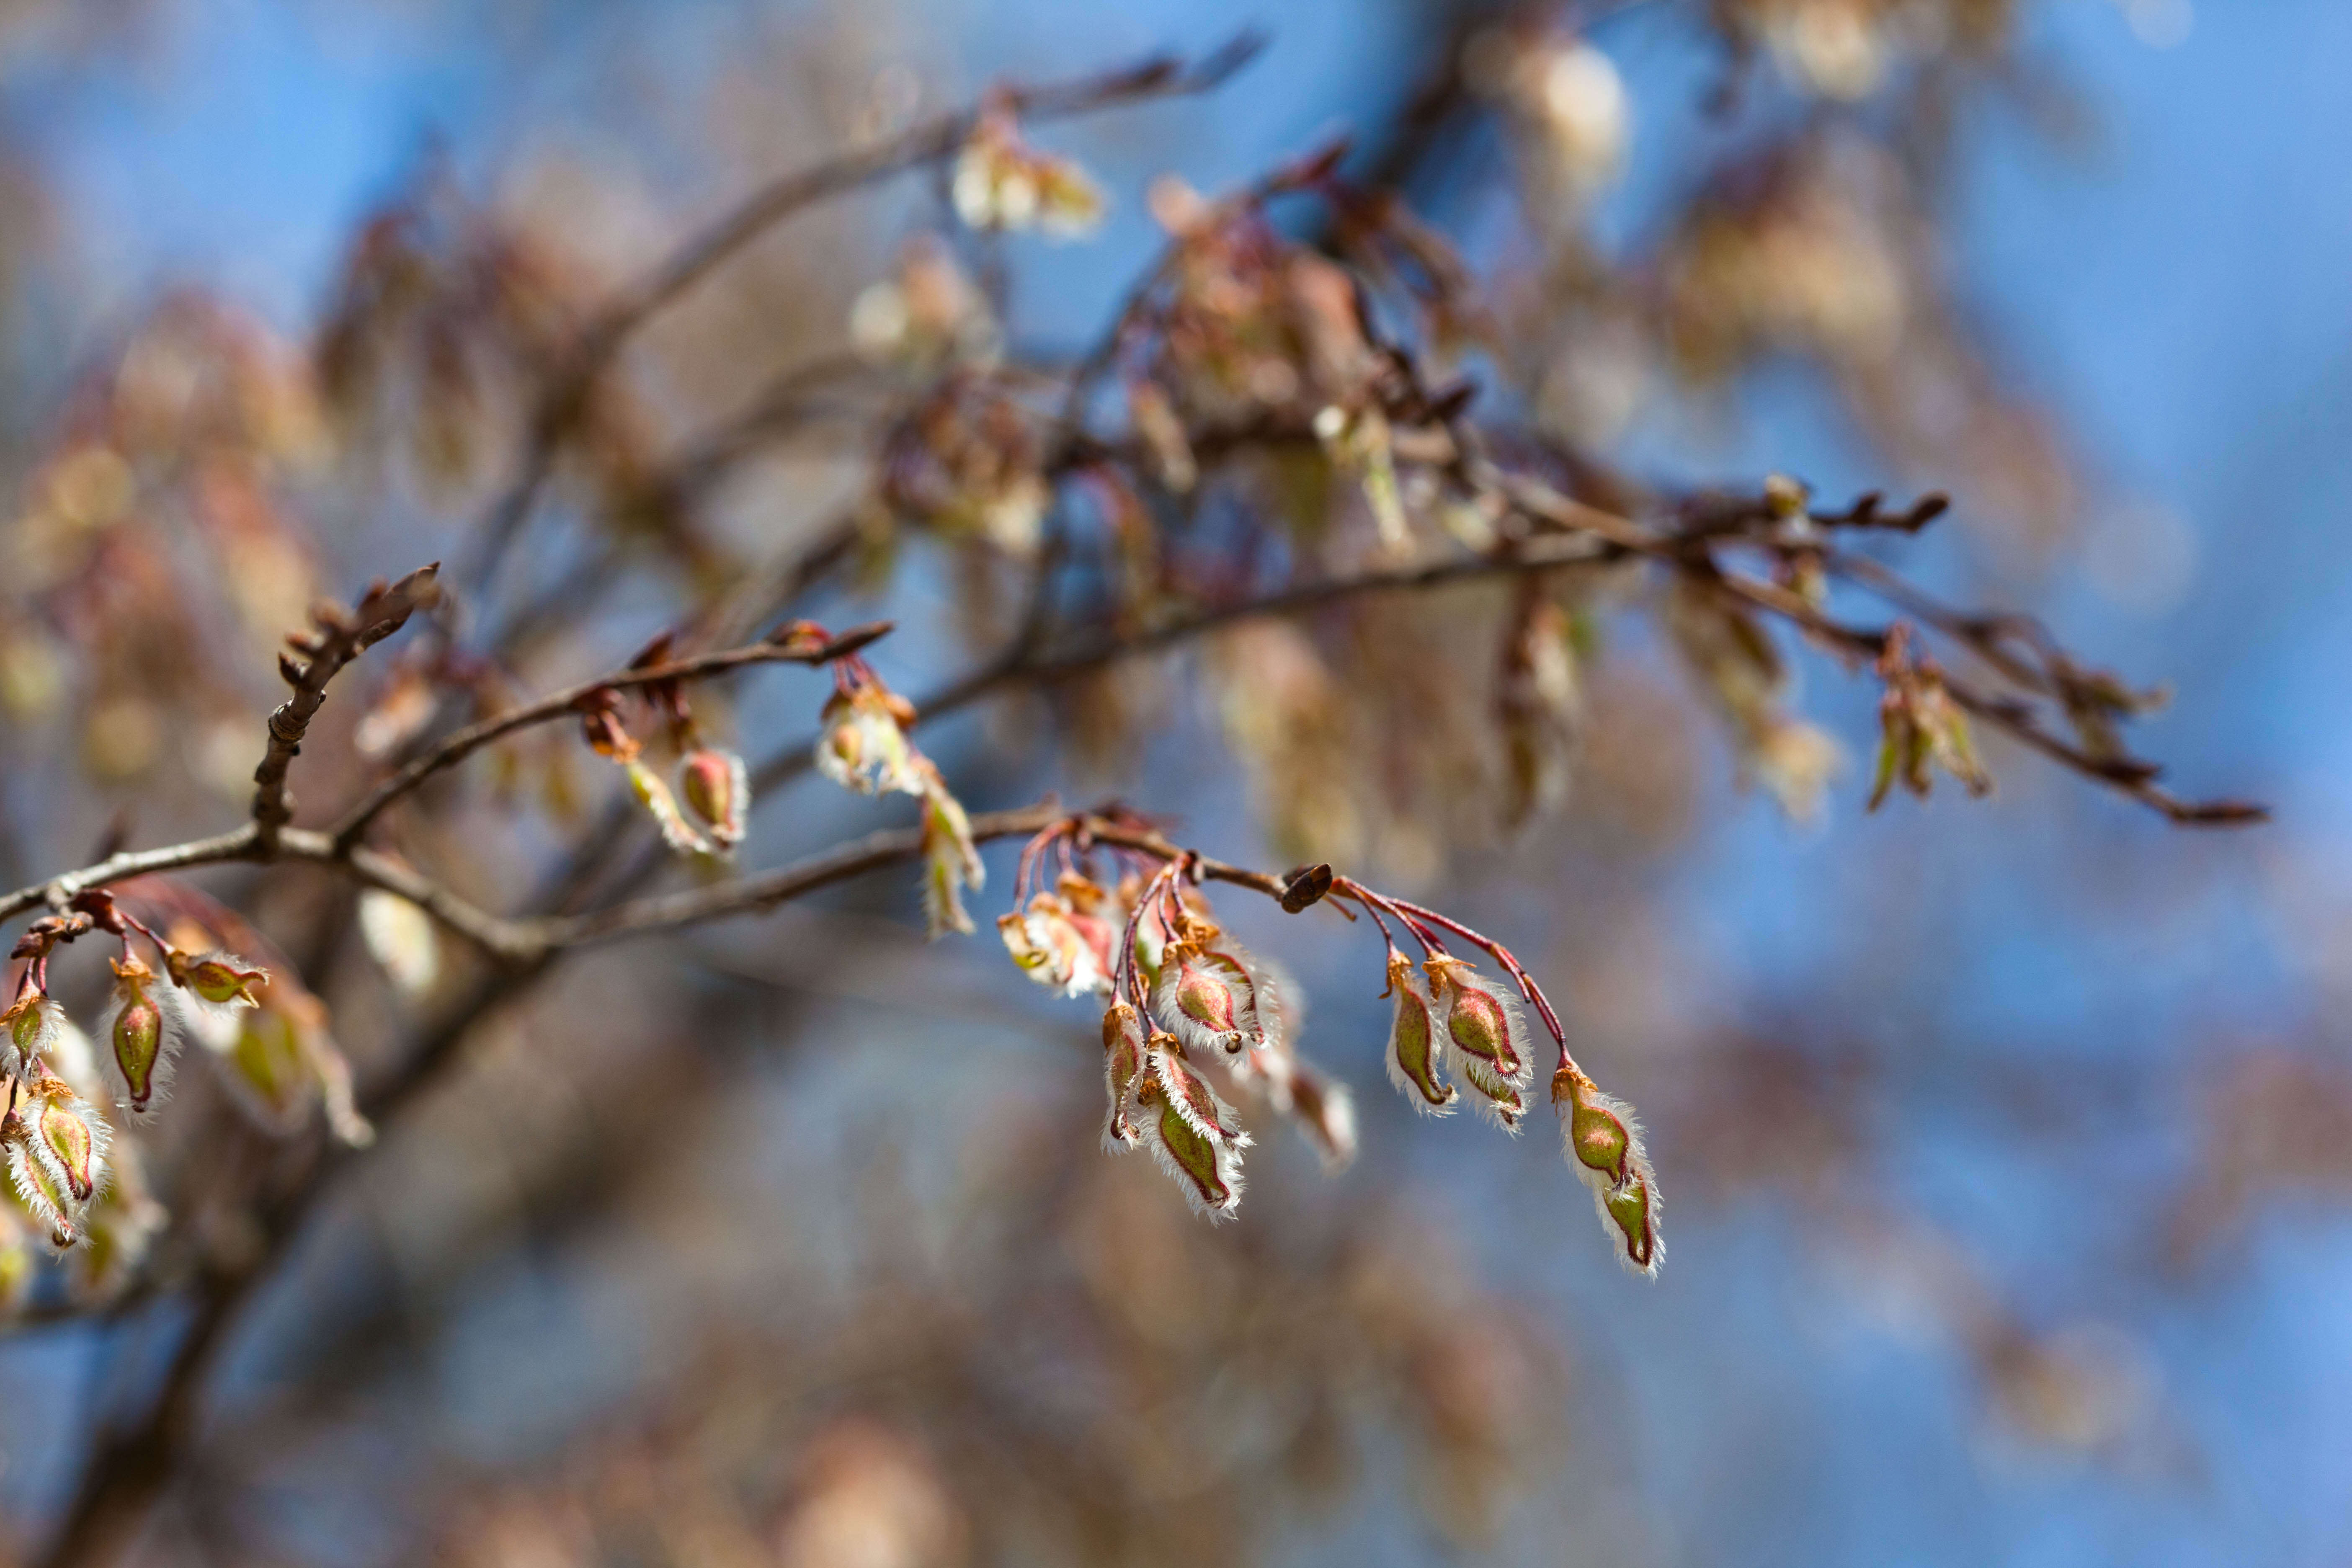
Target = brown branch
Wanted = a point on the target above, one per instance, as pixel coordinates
(341, 636)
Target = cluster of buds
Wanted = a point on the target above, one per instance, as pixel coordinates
(705, 814)
(864, 747)
(1003, 182)
(1921, 728)
(55, 1136)
(1186, 1000)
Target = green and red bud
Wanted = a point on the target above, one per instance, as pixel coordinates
(1603, 1142)
(1212, 994)
(1123, 1072)
(32, 1022)
(141, 1040)
(1189, 1130)
(1416, 1059)
(1059, 947)
(218, 978)
(655, 796)
(863, 746)
(1484, 1035)
(717, 788)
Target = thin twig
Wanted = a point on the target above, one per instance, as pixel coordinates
(341, 636)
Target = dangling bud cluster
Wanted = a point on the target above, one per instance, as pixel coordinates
(1921, 728)
(705, 814)
(864, 748)
(1003, 182)
(1187, 1000)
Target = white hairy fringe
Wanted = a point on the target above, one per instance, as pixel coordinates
(1161, 1066)
(171, 1034)
(1272, 1011)
(41, 1194)
(1117, 1104)
(1617, 1237)
(1229, 1171)
(1409, 984)
(655, 796)
(18, 1063)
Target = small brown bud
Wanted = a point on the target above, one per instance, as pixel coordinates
(1304, 887)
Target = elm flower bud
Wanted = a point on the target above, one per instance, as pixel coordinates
(40, 1190)
(655, 796)
(1415, 1056)
(1485, 1038)
(950, 859)
(142, 1034)
(717, 787)
(1604, 1149)
(33, 1021)
(1211, 994)
(1189, 1092)
(218, 978)
(70, 1137)
(865, 747)
(1189, 1130)
(1123, 1053)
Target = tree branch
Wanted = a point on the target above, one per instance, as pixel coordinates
(341, 636)
(1163, 76)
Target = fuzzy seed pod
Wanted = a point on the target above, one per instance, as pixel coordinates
(1603, 1142)
(219, 979)
(655, 796)
(1485, 1038)
(717, 788)
(950, 859)
(142, 1034)
(32, 1023)
(1415, 1056)
(1213, 994)
(1191, 1132)
(39, 1190)
(70, 1137)
(864, 747)
(1123, 1072)
(1189, 1092)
